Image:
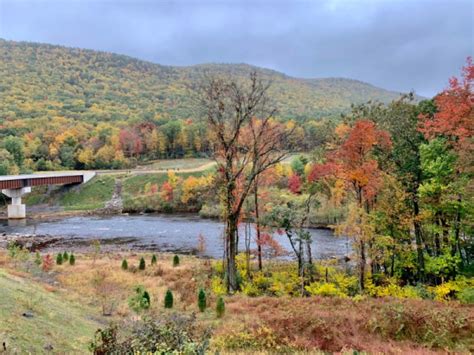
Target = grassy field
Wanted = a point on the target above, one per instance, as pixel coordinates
(55, 323)
(187, 163)
(91, 196)
(65, 315)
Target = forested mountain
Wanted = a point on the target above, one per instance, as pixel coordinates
(75, 108)
(45, 80)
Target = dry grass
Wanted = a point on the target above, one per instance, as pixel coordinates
(264, 324)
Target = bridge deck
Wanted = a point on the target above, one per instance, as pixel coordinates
(53, 178)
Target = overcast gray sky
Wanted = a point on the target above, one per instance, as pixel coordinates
(399, 45)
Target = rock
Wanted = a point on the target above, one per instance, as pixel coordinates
(28, 315)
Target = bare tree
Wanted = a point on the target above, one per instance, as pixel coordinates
(246, 141)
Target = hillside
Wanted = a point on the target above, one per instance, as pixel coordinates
(41, 80)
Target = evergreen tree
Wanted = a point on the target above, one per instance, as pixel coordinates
(72, 259)
(38, 258)
(220, 307)
(59, 259)
(202, 300)
(169, 299)
(176, 260)
(65, 256)
(124, 264)
(153, 260)
(142, 264)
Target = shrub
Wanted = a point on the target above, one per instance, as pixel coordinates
(124, 264)
(142, 264)
(141, 300)
(218, 286)
(220, 307)
(37, 258)
(72, 259)
(169, 299)
(466, 295)
(324, 289)
(59, 259)
(65, 256)
(47, 263)
(153, 260)
(172, 334)
(202, 300)
(176, 260)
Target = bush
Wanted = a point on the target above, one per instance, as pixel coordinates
(153, 260)
(220, 307)
(173, 334)
(202, 300)
(37, 258)
(72, 259)
(169, 299)
(466, 295)
(124, 264)
(65, 256)
(326, 289)
(176, 260)
(59, 259)
(141, 300)
(47, 263)
(218, 286)
(142, 264)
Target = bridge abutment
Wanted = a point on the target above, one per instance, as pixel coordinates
(16, 210)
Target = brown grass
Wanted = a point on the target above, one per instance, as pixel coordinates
(265, 323)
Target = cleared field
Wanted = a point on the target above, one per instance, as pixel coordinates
(165, 164)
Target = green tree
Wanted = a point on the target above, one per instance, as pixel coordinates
(15, 147)
(176, 260)
(202, 303)
(169, 299)
(72, 259)
(124, 264)
(142, 264)
(59, 259)
(153, 260)
(220, 307)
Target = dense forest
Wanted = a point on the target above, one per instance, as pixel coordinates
(65, 108)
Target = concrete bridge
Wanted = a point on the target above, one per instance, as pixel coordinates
(15, 186)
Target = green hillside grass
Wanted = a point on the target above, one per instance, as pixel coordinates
(66, 326)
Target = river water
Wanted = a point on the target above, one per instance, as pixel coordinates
(177, 233)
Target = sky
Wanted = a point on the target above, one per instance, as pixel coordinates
(400, 45)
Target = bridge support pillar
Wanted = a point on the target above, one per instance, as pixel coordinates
(16, 210)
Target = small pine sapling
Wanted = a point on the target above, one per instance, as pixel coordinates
(72, 259)
(220, 307)
(202, 300)
(153, 259)
(142, 264)
(124, 264)
(38, 258)
(65, 256)
(169, 299)
(59, 259)
(176, 260)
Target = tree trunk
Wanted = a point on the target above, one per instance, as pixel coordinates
(362, 266)
(257, 226)
(418, 241)
(231, 269)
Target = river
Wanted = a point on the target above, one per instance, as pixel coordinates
(175, 233)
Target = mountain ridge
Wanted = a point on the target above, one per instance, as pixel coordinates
(122, 87)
